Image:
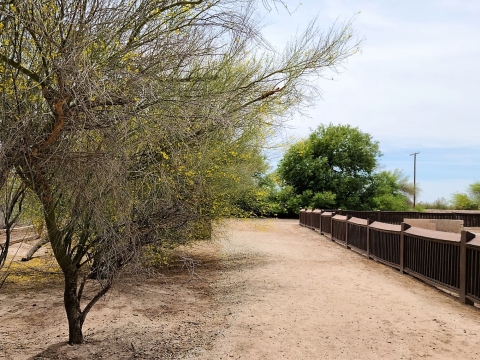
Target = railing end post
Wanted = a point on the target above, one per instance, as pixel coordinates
(346, 230)
(369, 221)
(465, 237)
(469, 236)
(403, 226)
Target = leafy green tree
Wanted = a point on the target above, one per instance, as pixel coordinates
(323, 200)
(293, 202)
(258, 199)
(336, 164)
(336, 167)
(391, 191)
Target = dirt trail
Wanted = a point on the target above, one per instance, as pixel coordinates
(294, 294)
(271, 290)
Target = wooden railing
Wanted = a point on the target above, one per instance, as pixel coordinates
(447, 260)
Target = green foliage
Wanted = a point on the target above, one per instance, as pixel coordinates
(390, 202)
(336, 161)
(256, 198)
(469, 200)
(388, 191)
(474, 192)
(323, 200)
(438, 204)
(461, 201)
(419, 208)
(287, 203)
(32, 213)
(267, 198)
(336, 168)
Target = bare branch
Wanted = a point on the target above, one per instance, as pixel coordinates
(18, 66)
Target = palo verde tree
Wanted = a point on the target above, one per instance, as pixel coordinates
(111, 110)
(392, 191)
(469, 200)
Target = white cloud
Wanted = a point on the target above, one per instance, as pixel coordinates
(412, 83)
(414, 86)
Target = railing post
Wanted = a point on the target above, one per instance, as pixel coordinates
(321, 221)
(331, 225)
(403, 227)
(465, 237)
(369, 221)
(346, 231)
(379, 215)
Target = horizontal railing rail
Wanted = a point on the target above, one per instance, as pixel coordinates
(396, 217)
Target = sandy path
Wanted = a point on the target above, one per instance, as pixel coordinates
(291, 293)
(272, 290)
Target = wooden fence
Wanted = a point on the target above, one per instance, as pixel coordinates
(447, 260)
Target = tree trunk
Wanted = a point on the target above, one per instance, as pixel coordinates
(72, 307)
(42, 241)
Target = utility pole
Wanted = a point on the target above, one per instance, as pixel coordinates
(414, 176)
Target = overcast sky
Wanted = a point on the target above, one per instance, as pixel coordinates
(414, 87)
